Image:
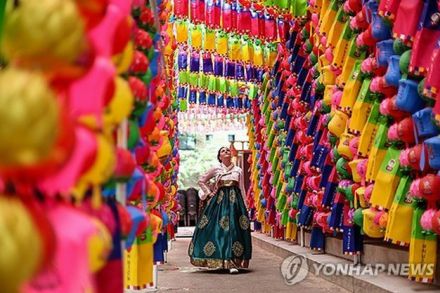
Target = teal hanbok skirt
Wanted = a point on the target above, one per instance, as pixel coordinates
(222, 237)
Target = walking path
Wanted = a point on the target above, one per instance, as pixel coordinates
(264, 275)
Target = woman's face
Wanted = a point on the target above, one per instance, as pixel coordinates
(225, 154)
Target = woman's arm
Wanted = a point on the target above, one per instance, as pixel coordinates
(203, 183)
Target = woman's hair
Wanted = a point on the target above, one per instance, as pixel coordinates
(218, 153)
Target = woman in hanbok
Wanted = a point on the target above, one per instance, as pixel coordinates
(222, 237)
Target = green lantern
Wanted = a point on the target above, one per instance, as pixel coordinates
(304, 34)
(320, 87)
(233, 88)
(404, 62)
(183, 77)
(294, 203)
(280, 124)
(358, 218)
(148, 76)
(285, 217)
(314, 60)
(333, 139)
(281, 203)
(212, 80)
(133, 134)
(343, 169)
(399, 47)
(282, 4)
(150, 52)
(308, 46)
(349, 194)
(252, 90)
(138, 109)
(194, 79)
(175, 105)
(298, 8)
(420, 89)
(183, 105)
(203, 81)
(325, 108)
(223, 85)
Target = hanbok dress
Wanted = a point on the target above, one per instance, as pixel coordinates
(222, 237)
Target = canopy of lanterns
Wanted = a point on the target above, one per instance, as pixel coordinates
(223, 49)
(345, 129)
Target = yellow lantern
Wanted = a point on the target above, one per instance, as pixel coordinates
(18, 263)
(29, 114)
(48, 34)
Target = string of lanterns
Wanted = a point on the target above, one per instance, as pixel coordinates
(89, 152)
(344, 131)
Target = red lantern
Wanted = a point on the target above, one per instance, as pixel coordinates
(244, 20)
(227, 17)
(255, 23)
(122, 36)
(150, 123)
(436, 223)
(125, 164)
(140, 63)
(93, 11)
(162, 192)
(181, 8)
(138, 88)
(147, 17)
(270, 27)
(125, 220)
(143, 40)
(210, 14)
(142, 154)
(196, 11)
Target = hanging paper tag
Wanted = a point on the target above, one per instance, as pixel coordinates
(386, 180)
(361, 108)
(369, 131)
(378, 151)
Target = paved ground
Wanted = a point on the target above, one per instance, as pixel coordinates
(178, 275)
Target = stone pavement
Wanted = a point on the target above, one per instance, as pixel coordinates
(178, 275)
(379, 283)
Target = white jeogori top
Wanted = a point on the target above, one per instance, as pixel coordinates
(221, 172)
